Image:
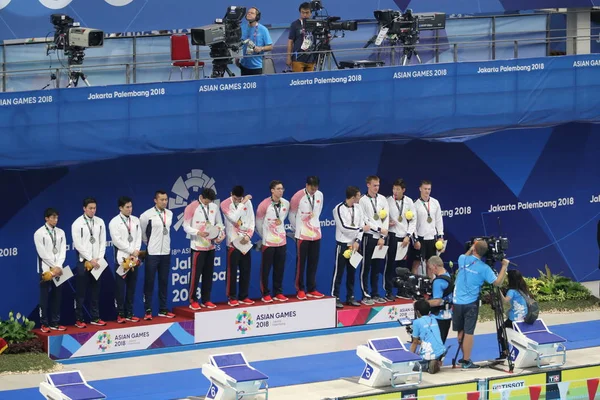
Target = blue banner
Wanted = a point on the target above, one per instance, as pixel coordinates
(540, 184)
(438, 102)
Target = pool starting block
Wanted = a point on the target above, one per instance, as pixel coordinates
(68, 386)
(232, 378)
(388, 362)
(534, 345)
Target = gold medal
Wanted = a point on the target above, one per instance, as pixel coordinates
(376, 217)
(400, 218)
(429, 219)
(278, 222)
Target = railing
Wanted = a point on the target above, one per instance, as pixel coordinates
(131, 66)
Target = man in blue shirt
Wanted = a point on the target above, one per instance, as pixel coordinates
(426, 333)
(441, 295)
(256, 41)
(472, 273)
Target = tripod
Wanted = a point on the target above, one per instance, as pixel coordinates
(220, 68)
(498, 308)
(324, 55)
(409, 42)
(75, 76)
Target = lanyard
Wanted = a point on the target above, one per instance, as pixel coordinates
(276, 207)
(428, 207)
(205, 213)
(91, 229)
(398, 207)
(311, 201)
(162, 216)
(52, 235)
(127, 224)
(374, 205)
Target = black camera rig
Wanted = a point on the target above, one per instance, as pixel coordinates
(223, 37)
(412, 286)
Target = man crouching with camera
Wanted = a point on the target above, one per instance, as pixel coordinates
(426, 335)
(472, 273)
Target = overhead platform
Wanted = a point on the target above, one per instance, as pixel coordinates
(451, 102)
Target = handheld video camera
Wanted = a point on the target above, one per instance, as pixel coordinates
(497, 247)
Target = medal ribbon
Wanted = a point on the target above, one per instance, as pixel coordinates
(52, 235)
(428, 205)
(126, 224)
(162, 216)
(311, 201)
(399, 208)
(88, 225)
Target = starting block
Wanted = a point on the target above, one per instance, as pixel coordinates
(533, 343)
(388, 363)
(232, 378)
(68, 386)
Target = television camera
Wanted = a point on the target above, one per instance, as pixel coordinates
(223, 37)
(320, 28)
(73, 39)
(404, 28)
(497, 247)
(412, 286)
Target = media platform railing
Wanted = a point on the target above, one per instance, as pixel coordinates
(130, 67)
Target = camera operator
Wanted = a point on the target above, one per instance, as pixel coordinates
(426, 333)
(257, 40)
(472, 273)
(441, 296)
(300, 42)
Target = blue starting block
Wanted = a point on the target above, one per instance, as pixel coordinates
(388, 362)
(68, 386)
(232, 378)
(534, 345)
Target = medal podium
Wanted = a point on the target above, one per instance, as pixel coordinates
(232, 378)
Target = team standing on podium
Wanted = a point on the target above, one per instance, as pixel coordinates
(363, 223)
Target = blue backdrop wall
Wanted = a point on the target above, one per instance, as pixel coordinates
(547, 178)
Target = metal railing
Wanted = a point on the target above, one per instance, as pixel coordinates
(134, 63)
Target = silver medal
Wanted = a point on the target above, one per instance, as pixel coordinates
(55, 250)
(130, 239)
(165, 231)
(92, 240)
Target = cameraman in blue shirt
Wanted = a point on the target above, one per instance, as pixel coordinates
(257, 40)
(472, 273)
(441, 295)
(426, 335)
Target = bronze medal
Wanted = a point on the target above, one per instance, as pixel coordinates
(429, 219)
(278, 222)
(376, 217)
(400, 218)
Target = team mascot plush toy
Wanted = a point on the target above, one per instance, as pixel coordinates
(48, 275)
(130, 263)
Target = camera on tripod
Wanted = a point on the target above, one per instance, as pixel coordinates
(223, 37)
(497, 247)
(412, 286)
(73, 39)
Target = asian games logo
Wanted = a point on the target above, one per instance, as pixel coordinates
(244, 322)
(393, 313)
(103, 340)
(194, 181)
